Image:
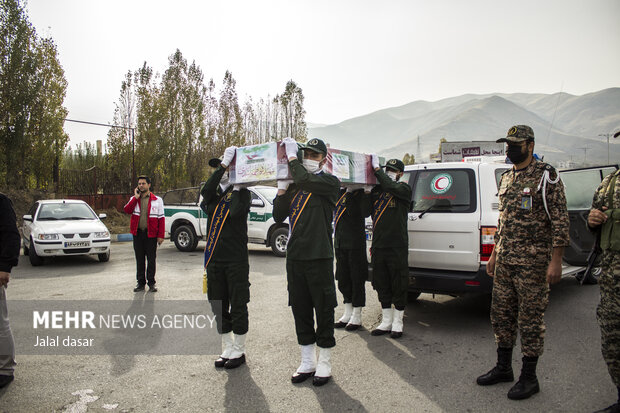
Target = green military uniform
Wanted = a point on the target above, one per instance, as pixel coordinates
(390, 242)
(309, 253)
(350, 245)
(524, 240)
(228, 270)
(608, 311)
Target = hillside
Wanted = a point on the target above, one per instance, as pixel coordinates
(564, 125)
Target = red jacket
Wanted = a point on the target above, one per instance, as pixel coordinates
(156, 222)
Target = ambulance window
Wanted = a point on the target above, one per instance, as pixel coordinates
(444, 191)
(498, 175)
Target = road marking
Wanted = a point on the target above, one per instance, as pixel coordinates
(80, 406)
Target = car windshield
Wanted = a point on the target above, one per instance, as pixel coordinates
(268, 193)
(65, 211)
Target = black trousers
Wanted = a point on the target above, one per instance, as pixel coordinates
(352, 273)
(390, 276)
(311, 290)
(145, 247)
(228, 291)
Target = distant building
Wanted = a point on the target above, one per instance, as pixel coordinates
(435, 157)
(457, 151)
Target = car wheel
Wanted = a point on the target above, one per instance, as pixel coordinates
(412, 295)
(35, 260)
(105, 257)
(279, 238)
(185, 239)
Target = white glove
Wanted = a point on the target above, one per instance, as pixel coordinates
(374, 161)
(368, 188)
(229, 154)
(291, 147)
(283, 184)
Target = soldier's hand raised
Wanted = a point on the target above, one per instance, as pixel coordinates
(291, 148)
(229, 154)
(374, 160)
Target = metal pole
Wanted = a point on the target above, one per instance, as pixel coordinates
(607, 135)
(133, 156)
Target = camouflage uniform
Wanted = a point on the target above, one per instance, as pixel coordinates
(608, 311)
(524, 242)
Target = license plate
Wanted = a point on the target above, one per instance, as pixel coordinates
(77, 244)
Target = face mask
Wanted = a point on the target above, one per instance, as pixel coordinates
(311, 166)
(392, 175)
(516, 154)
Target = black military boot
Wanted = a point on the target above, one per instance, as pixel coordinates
(528, 383)
(502, 371)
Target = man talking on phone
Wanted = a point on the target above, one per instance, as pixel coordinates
(147, 226)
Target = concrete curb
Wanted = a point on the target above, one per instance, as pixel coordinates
(121, 237)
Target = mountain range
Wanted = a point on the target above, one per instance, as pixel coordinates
(567, 127)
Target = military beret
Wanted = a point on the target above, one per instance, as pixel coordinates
(316, 145)
(395, 164)
(518, 133)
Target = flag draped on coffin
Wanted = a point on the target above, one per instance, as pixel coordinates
(268, 162)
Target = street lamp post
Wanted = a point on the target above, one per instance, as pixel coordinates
(133, 144)
(607, 135)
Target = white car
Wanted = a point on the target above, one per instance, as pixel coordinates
(58, 227)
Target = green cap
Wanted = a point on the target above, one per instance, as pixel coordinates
(518, 133)
(395, 164)
(214, 162)
(316, 145)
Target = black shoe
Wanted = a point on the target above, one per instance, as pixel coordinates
(234, 363)
(319, 381)
(152, 289)
(340, 324)
(396, 334)
(4, 380)
(220, 362)
(377, 332)
(524, 389)
(614, 408)
(139, 287)
(352, 327)
(301, 377)
(496, 375)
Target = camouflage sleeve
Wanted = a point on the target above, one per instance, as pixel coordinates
(556, 202)
(499, 219)
(599, 196)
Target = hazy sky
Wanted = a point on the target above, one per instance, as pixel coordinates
(350, 57)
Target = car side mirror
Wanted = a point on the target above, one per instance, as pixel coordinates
(257, 203)
(103, 216)
(27, 218)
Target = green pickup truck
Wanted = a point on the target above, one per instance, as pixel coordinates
(186, 223)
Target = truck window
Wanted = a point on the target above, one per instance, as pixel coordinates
(445, 190)
(580, 185)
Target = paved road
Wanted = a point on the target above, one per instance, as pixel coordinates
(447, 343)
